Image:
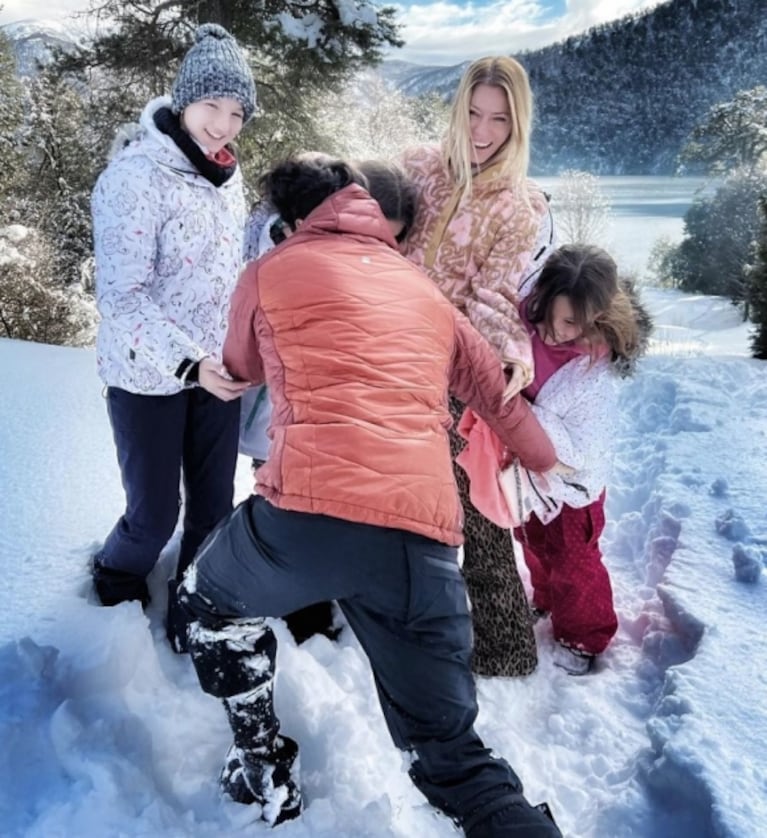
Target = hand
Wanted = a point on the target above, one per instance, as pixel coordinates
(515, 384)
(560, 469)
(215, 378)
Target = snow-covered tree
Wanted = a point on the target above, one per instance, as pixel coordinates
(59, 173)
(11, 115)
(732, 135)
(33, 305)
(370, 120)
(581, 210)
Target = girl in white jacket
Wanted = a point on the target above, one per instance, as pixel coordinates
(587, 330)
(168, 221)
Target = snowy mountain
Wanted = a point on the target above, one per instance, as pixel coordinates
(622, 97)
(35, 41)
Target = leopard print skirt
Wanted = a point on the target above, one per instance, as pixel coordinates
(504, 643)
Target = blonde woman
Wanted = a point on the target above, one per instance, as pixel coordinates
(482, 224)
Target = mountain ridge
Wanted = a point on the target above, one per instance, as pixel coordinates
(620, 98)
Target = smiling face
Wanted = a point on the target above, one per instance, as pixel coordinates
(489, 121)
(213, 123)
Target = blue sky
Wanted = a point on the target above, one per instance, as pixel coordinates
(443, 31)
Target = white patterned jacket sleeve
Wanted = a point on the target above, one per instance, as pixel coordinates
(577, 408)
(545, 243)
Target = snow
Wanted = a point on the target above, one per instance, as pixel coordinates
(106, 733)
(38, 28)
(311, 28)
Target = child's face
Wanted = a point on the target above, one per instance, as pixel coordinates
(564, 327)
(213, 122)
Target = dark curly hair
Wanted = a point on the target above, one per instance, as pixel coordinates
(606, 308)
(299, 184)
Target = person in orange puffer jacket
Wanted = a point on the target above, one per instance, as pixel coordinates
(357, 502)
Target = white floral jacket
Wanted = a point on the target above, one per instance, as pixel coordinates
(168, 247)
(577, 408)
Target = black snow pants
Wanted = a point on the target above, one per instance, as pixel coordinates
(404, 597)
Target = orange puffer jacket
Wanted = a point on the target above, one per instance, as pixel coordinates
(359, 350)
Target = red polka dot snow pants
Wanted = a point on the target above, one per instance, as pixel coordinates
(568, 576)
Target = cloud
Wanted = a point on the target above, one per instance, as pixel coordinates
(441, 32)
(448, 33)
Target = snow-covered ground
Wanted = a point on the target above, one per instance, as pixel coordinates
(105, 731)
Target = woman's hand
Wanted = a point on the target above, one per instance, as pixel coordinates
(516, 382)
(215, 378)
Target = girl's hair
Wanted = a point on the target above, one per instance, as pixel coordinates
(299, 184)
(392, 188)
(508, 75)
(606, 308)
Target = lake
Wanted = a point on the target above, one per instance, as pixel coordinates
(642, 210)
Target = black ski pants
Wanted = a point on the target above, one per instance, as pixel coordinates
(159, 440)
(405, 599)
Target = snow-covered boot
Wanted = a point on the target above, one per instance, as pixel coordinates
(572, 660)
(177, 620)
(270, 774)
(235, 662)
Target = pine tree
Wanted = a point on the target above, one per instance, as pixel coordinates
(34, 303)
(732, 135)
(297, 50)
(720, 239)
(759, 291)
(59, 172)
(11, 116)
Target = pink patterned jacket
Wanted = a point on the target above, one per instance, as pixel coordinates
(497, 239)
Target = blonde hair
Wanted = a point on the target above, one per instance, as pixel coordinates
(510, 76)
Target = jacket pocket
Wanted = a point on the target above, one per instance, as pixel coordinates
(437, 589)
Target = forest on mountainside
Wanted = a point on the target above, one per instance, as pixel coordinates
(623, 97)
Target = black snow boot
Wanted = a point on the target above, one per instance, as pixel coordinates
(265, 778)
(235, 662)
(116, 586)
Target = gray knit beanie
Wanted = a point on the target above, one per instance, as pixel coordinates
(214, 68)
